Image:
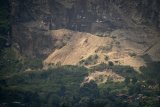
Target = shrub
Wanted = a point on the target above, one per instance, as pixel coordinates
(92, 59)
(99, 34)
(110, 63)
(132, 54)
(106, 58)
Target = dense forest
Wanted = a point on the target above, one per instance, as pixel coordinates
(61, 86)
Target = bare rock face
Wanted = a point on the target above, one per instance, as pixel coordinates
(33, 20)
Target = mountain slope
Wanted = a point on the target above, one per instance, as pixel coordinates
(32, 20)
(79, 48)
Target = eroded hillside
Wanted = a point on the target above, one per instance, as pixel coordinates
(121, 48)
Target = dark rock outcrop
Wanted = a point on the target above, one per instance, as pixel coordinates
(33, 19)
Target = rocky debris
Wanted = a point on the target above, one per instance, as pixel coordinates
(103, 77)
(85, 49)
(79, 46)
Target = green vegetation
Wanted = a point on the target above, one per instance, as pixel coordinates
(63, 82)
(92, 59)
(11, 62)
(99, 34)
(151, 74)
(110, 63)
(61, 86)
(104, 48)
(132, 54)
(4, 23)
(106, 58)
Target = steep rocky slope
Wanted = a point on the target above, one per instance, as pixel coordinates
(104, 31)
(79, 48)
(33, 20)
